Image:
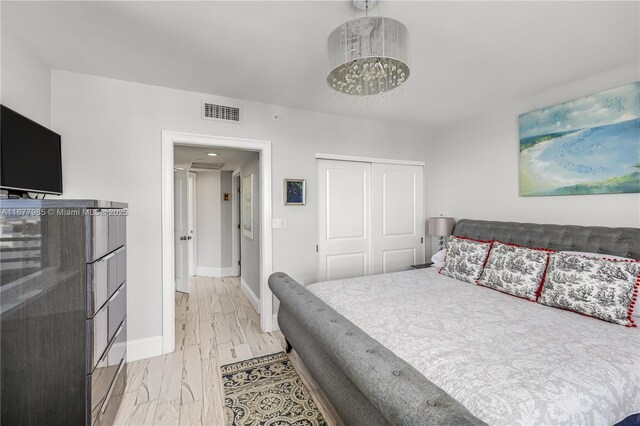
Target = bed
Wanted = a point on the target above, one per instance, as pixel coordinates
(417, 347)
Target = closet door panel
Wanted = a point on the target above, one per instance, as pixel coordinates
(344, 244)
(346, 204)
(397, 217)
(397, 260)
(398, 207)
(340, 266)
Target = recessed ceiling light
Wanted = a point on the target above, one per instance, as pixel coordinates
(178, 168)
(212, 154)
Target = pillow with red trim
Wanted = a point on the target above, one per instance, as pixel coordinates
(465, 258)
(515, 270)
(596, 255)
(600, 288)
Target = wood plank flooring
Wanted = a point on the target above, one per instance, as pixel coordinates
(215, 325)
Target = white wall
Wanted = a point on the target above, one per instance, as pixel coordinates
(209, 225)
(226, 245)
(25, 84)
(475, 172)
(213, 230)
(112, 143)
(250, 248)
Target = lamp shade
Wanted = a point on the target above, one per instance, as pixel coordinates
(441, 226)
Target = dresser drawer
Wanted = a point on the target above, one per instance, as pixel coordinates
(121, 235)
(106, 326)
(97, 234)
(117, 310)
(106, 232)
(121, 274)
(106, 386)
(104, 277)
(106, 416)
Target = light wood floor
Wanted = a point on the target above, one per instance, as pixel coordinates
(215, 325)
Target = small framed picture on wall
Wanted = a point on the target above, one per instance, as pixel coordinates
(294, 192)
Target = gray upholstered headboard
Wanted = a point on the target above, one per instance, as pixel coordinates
(595, 239)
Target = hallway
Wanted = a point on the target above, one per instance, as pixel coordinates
(215, 325)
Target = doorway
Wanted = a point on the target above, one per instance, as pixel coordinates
(170, 141)
(214, 206)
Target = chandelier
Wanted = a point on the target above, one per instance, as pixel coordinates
(368, 55)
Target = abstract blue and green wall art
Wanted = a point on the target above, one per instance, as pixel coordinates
(590, 145)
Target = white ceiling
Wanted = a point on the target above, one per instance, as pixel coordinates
(231, 158)
(465, 57)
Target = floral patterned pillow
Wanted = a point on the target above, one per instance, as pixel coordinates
(515, 270)
(465, 258)
(601, 288)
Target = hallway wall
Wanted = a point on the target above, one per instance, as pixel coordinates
(225, 219)
(250, 249)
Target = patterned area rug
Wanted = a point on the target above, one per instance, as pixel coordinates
(267, 391)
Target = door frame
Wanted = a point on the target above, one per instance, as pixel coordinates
(192, 212)
(169, 139)
(235, 222)
(338, 157)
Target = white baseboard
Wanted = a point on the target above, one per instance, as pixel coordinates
(206, 271)
(144, 348)
(250, 295)
(229, 272)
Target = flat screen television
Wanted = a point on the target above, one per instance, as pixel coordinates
(30, 156)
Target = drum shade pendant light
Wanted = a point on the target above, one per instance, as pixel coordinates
(368, 55)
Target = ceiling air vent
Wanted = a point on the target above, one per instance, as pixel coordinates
(227, 113)
(201, 165)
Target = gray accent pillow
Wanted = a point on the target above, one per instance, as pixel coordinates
(465, 258)
(515, 270)
(600, 288)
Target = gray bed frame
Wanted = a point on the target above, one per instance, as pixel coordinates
(369, 385)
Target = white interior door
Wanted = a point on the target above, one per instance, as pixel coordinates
(181, 228)
(191, 226)
(344, 246)
(397, 217)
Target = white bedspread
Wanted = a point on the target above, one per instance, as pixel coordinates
(508, 360)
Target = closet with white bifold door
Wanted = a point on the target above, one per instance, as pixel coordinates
(370, 219)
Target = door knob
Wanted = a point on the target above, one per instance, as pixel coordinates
(183, 238)
(189, 237)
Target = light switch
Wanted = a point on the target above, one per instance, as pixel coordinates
(276, 223)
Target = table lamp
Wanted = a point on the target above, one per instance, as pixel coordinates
(440, 226)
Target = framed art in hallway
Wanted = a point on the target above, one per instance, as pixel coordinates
(585, 146)
(247, 206)
(294, 192)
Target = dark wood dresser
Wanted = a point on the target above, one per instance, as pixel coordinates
(63, 299)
